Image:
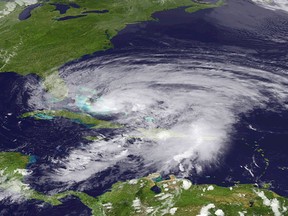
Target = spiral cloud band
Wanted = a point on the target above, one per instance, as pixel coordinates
(177, 110)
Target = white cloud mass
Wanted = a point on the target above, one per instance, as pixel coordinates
(273, 4)
(188, 106)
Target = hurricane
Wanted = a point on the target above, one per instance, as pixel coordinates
(176, 109)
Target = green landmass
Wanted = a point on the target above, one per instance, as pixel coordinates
(92, 138)
(55, 85)
(41, 44)
(12, 173)
(205, 6)
(82, 118)
(152, 195)
(14, 161)
(2, 5)
(180, 197)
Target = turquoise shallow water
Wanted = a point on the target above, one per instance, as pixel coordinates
(43, 116)
(32, 159)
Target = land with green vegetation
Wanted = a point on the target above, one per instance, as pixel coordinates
(81, 118)
(2, 5)
(92, 138)
(42, 43)
(151, 195)
(10, 161)
(180, 197)
(12, 173)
